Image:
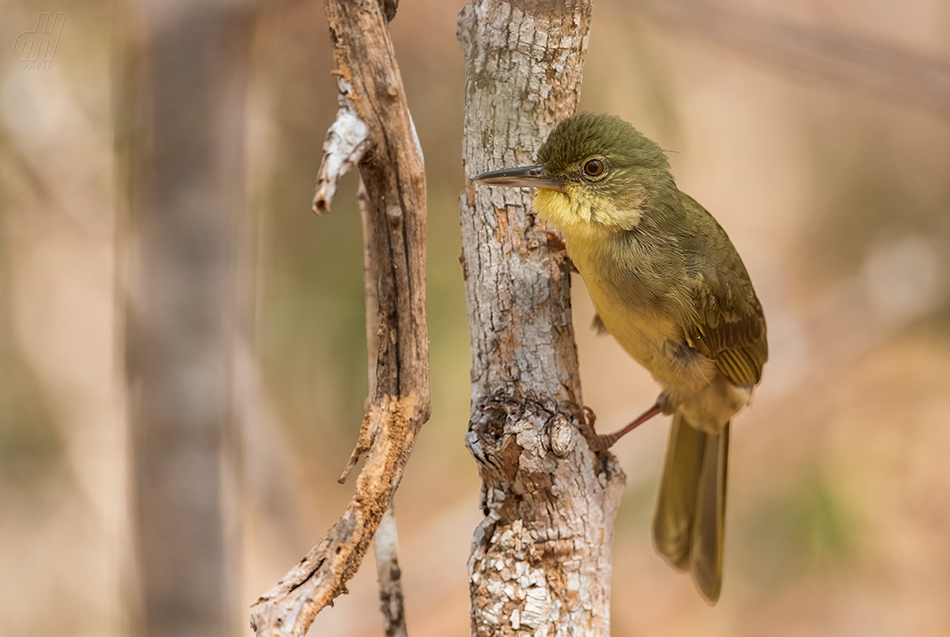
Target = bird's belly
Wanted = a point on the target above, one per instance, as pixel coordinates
(691, 383)
(654, 340)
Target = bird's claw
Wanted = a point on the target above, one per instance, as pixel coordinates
(586, 418)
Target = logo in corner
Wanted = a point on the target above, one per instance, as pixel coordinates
(36, 48)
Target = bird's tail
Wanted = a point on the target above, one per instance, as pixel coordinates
(689, 524)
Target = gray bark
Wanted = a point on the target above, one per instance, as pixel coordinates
(540, 562)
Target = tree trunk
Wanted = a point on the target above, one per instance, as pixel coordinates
(540, 560)
(182, 133)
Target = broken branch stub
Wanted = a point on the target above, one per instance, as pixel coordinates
(343, 148)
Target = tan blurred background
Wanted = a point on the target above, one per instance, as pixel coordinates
(833, 180)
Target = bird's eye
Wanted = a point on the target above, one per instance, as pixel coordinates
(594, 168)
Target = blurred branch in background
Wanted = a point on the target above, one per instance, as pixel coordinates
(866, 64)
(181, 132)
(897, 286)
(373, 130)
(63, 465)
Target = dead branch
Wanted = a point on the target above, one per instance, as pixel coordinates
(386, 540)
(389, 577)
(392, 171)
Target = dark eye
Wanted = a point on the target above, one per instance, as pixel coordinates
(594, 168)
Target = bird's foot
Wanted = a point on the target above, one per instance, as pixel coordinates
(586, 418)
(602, 442)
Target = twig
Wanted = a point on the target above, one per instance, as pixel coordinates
(389, 577)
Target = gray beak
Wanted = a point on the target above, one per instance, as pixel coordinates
(524, 177)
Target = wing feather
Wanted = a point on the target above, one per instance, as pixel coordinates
(735, 340)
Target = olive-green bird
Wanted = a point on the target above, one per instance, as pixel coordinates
(670, 287)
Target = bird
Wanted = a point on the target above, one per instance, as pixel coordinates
(670, 287)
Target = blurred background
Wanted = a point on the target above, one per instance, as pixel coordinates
(818, 134)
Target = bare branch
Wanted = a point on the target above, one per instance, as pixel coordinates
(386, 541)
(392, 171)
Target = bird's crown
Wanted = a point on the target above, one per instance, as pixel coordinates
(607, 138)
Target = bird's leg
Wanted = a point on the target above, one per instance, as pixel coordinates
(601, 442)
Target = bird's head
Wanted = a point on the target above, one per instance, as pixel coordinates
(595, 174)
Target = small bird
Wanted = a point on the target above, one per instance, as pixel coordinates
(670, 287)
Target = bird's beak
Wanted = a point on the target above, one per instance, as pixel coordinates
(524, 177)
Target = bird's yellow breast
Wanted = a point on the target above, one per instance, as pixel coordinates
(624, 299)
(583, 215)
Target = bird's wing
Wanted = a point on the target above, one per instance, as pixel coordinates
(724, 321)
(732, 334)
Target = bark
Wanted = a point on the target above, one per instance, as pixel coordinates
(540, 560)
(374, 131)
(386, 540)
(185, 68)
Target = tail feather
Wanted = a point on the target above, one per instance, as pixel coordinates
(688, 527)
(676, 503)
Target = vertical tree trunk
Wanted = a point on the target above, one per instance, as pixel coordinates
(540, 560)
(182, 137)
